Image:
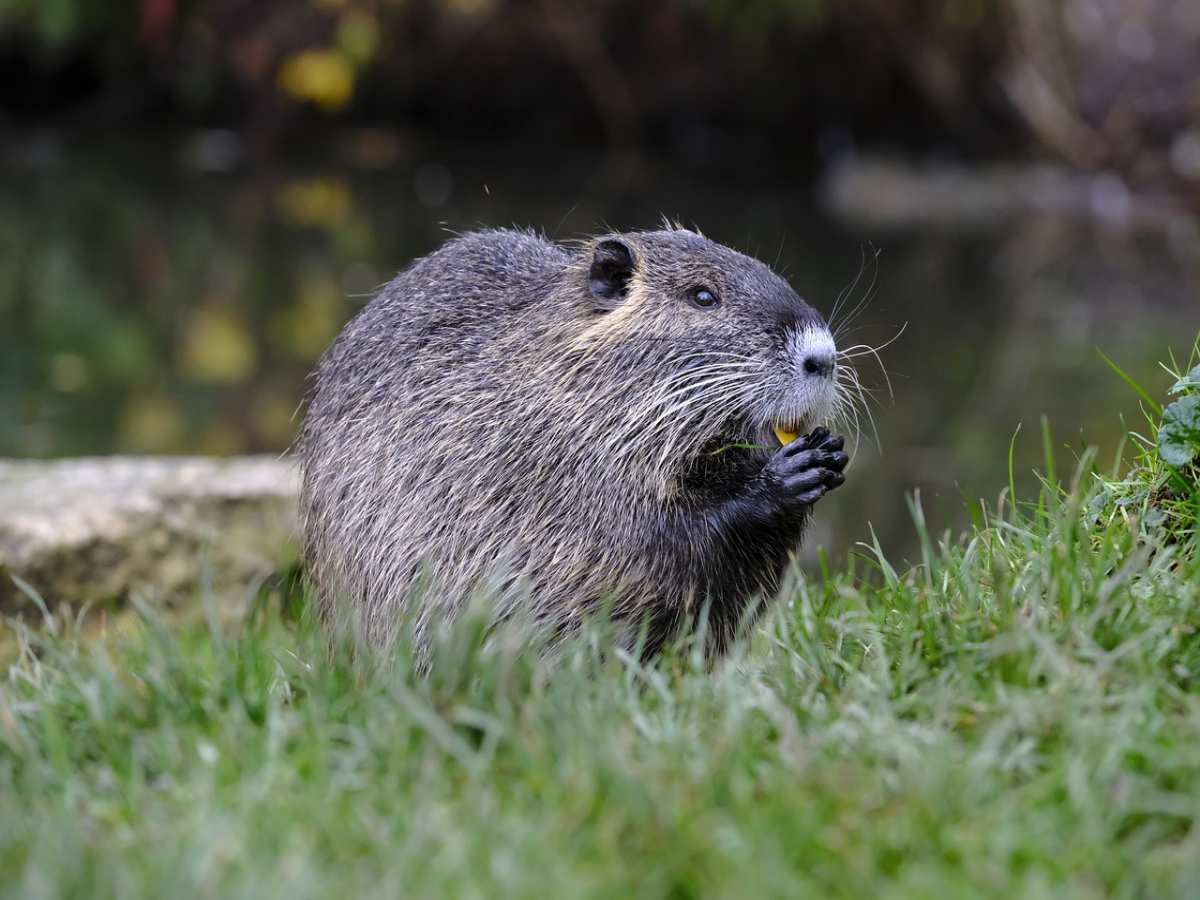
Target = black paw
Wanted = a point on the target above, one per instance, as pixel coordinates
(802, 472)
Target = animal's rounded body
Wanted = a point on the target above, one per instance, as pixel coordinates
(555, 428)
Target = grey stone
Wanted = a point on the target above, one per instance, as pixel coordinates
(157, 528)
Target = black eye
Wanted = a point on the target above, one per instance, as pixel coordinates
(704, 298)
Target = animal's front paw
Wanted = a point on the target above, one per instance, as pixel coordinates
(803, 471)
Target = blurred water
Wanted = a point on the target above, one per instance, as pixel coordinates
(154, 302)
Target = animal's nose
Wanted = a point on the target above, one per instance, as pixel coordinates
(820, 364)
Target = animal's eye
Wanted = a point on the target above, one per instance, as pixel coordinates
(704, 298)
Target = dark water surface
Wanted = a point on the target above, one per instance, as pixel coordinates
(151, 306)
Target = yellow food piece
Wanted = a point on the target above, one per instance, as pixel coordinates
(785, 436)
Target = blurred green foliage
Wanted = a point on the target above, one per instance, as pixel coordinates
(58, 22)
(148, 323)
(1097, 84)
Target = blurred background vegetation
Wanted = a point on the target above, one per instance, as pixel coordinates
(195, 195)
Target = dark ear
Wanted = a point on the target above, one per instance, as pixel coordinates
(612, 267)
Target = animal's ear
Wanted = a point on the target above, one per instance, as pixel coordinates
(612, 267)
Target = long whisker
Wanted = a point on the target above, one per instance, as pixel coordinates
(864, 395)
(867, 348)
(854, 399)
(696, 402)
(845, 416)
(862, 304)
(729, 388)
(859, 350)
(848, 289)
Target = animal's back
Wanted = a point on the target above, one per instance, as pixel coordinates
(457, 298)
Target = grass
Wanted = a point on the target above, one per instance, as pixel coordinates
(1018, 714)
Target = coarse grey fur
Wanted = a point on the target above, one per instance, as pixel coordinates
(527, 421)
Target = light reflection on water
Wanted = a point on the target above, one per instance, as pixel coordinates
(152, 310)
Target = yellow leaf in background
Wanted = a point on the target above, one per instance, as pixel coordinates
(358, 36)
(322, 76)
(69, 372)
(221, 439)
(305, 329)
(218, 348)
(315, 202)
(150, 423)
(275, 417)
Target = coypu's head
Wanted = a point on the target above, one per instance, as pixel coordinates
(744, 362)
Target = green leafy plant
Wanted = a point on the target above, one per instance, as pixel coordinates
(1179, 436)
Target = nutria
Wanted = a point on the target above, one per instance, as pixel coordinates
(622, 421)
